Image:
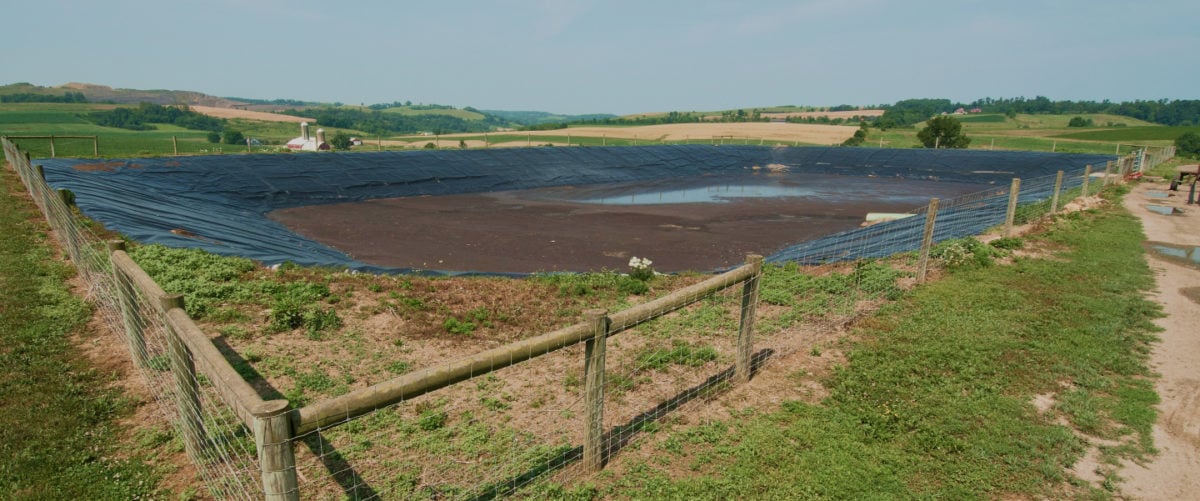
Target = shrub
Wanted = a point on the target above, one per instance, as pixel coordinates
(1008, 243)
(456, 326)
(965, 253)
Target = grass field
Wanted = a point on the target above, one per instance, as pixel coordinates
(456, 113)
(935, 401)
(60, 436)
(1023, 132)
(1129, 134)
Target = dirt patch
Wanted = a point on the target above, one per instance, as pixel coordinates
(104, 166)
(248, 114)
(1175, 472)
(1192, 293)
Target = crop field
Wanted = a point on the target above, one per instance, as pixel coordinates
(1129, 134)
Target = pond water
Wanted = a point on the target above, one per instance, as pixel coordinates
(722, 190)
(1188, 255)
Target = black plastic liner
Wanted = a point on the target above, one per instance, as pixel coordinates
(220, 203)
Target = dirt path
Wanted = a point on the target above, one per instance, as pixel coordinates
(1175, 472)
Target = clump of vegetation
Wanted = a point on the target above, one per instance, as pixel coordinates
(1081, 122)
(145, 114)
(1188, 145)
(943, 132)
(1008, 243)
(211, 284)
(966, 253)
(601, 284)
(680, 353)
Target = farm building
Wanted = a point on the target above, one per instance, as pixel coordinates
(308, 143)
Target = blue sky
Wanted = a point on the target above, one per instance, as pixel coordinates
(618, 56)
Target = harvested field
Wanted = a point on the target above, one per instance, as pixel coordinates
(247, 114)
(803, 133)
(830, 114)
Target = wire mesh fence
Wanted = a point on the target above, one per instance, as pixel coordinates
(549, 408)
(221, 447)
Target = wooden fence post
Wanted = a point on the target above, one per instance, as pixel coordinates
(187, 390)
(927, 239)
(276, 456)
(95, 146)
(1013, 193)
(65, 226)
(52, 155)
(130, 313)
(1108, 168)
(593, 373)
(1087, 176)
(745, 342)
(1057, 190)
(175, 145)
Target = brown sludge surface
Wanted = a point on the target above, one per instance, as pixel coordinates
(519, 233)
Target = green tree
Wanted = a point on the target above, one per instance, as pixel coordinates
(340, 141)
(214, 137)
(858, 138)
(234, 137)
(1188, 145)
(943, 132)
(1080, 122)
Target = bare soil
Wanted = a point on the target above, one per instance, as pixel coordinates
(248, 114)
(830, 114)
(736, 133)
(1175, 472)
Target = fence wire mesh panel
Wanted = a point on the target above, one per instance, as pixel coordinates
(223, 451)
(478, 410)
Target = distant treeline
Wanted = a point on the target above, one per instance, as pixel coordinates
(378, 122)
(29, 97)
(532, 118)
(1174, 112)
(677, 117)
(145, 114)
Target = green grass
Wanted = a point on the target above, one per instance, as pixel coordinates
(59, 436)
(997, 119)
(463, 114)
(43, 119)
(935, 398)
(1122, 134)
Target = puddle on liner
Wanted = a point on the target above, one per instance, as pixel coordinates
(1181, 254)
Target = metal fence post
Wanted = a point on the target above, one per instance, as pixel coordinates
(1057, 190)
(1013, 193)
(745, 342)
(593, 373)
(187, 390)
(276, 456)
(130, 313)
(927, 240)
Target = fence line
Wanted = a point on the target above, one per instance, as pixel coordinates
(246, 447)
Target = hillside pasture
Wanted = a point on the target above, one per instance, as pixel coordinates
(1155, 133)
